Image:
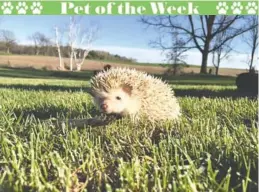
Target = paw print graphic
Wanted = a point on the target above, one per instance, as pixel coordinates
(21, 8)
(237, 8)
(251, 8)
(222, 8)
(36, 8)
(7, 8)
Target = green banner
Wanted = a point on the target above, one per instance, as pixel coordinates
(129, 7)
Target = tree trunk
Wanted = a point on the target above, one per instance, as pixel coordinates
(204, 62)
(37, 51)
(78, 67)
(217, 71)
(7, 50)
(205, 51)
(71, 61)
(61, 64)
(218, 62)
(205, 54)
(78, 62)
(252, 60)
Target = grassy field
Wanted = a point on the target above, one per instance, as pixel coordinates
(213, 147)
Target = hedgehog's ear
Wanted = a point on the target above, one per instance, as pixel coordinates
(127, 88)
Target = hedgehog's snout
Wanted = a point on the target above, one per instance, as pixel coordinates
(104, 106)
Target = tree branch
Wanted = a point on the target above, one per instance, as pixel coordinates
(231, 37)
(193, 35)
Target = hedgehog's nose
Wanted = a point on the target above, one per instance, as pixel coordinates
(104, 106)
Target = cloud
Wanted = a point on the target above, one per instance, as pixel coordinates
(235, 60)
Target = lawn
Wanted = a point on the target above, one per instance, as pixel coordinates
(213, 147)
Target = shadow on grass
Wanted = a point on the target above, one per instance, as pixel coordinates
(45, 87)
(42, 74)
(190, 92)
(208, 93)
(198, 79)
(185, 79)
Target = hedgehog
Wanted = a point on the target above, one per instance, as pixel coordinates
(133, 93)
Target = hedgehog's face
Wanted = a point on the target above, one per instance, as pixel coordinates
(115, 101)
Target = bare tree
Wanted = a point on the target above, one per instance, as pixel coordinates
(8, 38)
(222, 52)
(45, 43)
(199, 31)
(251, 39)
(176, 52)
(78, 41)
(57, 40)
(80, 38)
(72, 35)
(40, 42)
(174, 56)
(34, 38)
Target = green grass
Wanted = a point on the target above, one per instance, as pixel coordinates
(213, 147)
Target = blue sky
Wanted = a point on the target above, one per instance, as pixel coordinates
(123, 31)
(123, 35)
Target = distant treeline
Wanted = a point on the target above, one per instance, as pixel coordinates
(51, 50)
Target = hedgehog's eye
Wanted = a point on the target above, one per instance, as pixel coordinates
(118, 98)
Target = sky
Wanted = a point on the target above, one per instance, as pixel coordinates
(122, 35)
